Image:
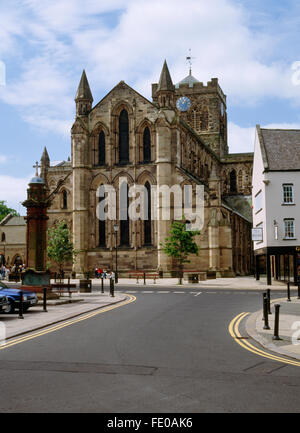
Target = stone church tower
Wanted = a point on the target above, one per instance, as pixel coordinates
(180, 138)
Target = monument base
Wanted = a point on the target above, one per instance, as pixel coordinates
(31, 277)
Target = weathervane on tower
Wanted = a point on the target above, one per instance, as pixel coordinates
(189, 60)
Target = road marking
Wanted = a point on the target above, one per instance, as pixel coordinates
(235, 334)
(67, 323)
(147, 291)
(179, 292)
(199, 293)
(163, 292)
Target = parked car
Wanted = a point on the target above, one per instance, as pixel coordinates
(13, 297)
(4, 304)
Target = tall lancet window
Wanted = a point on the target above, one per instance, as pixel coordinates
(123, 137)
(233, 181)
(147, 145)
(101, 149)
(124, 217)
(102, 229)
(64, 199)
(147, 221)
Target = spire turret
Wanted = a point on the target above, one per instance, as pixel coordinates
(45, 160)
(45, 164)
(84, 97)
(165, 90)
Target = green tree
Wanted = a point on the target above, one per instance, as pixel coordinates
(60, 247)
(180, 244)
(4, 210)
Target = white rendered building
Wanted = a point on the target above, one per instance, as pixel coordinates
(276, 203)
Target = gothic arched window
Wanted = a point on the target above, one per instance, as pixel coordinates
(124, 219)
(233, 181)
(102, 229)
(101, 149)
(147, 214)
(64, 199)
(123, 137)
(147, 145)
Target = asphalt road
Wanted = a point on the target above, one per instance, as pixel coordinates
(166, 352)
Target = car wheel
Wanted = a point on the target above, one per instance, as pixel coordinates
(10, 309)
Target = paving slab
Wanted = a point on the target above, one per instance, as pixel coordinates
(35, 318)
(289, 328)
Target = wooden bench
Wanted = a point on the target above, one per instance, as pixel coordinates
(143, 275)
(64, 288)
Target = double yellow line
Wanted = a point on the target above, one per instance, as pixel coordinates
(54, 328)
(235, 334)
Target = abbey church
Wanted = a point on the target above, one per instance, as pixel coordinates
(178, 138)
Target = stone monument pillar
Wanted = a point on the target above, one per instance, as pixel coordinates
(36, 236)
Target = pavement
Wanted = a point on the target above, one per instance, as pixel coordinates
(240, 283)
(289, 328)
(80, 303)
(35, 318)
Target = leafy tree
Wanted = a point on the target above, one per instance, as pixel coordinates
(180, 244)
(60, 247)
(4, 210)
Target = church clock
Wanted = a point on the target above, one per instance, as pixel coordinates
(183, 103)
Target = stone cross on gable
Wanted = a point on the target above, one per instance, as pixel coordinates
(37, 166)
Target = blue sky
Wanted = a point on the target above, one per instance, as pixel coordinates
(250, 45)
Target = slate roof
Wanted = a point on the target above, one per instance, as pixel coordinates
(10, 220)
(240, 204)
(190, 80)
(281, 149)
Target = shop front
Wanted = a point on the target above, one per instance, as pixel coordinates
(278, 264)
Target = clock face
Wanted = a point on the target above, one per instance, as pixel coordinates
(183, 103)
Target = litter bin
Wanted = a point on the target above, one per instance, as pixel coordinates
(193, 278)
(85, 286)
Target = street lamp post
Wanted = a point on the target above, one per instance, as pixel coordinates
(3, 241)
(116, 228)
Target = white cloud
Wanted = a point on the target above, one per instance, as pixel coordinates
(242, 139)
(3, 159)
(61, 37)
(14, 191)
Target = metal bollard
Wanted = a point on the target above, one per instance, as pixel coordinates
(265, 309)
(44, 299)
(112, 287)
(288, 291)
(144, 278)
(69, 289)
(21, 306)
(269, 301)
(299, 290)
(102, 284)
(276, 323)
